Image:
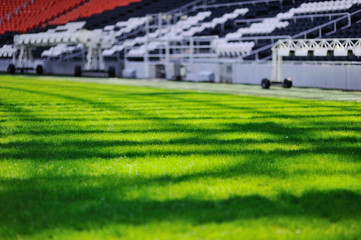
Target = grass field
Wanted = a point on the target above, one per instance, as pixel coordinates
(103, 161)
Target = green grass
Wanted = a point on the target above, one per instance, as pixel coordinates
(103, 161)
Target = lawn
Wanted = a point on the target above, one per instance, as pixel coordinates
(103, 161)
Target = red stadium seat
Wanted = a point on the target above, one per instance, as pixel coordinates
(56, 12)
(33, 14)
(90, 8)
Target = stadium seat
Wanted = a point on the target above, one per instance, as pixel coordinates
(32, 14)
(242, 26)
(90, 8)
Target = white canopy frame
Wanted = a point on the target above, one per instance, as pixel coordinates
(309, 47)
(95, 41)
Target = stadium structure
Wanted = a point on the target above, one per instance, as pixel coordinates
(292, 42)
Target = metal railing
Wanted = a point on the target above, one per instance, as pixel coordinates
(192, 6)
(304, 33)
(311, 16)
(127, 35)
(217, 5)
(175, 13)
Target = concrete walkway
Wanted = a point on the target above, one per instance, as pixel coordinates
(239, 89)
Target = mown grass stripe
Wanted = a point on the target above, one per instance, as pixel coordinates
(88, 160)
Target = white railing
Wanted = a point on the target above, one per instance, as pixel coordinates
(193, 6)
(294, 18)
(315, 47)
(217, 5)
(304, 33)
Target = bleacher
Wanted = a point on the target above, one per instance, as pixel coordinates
(90, 8)
(243, 27)
(133, 10)
(242, 32)
(32, 14)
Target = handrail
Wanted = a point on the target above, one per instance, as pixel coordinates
(294, 17)
(242, 3)
(129, 34)
(180, 10)
(193, 6)
(70, 56)
(326, 24)
(273, 37)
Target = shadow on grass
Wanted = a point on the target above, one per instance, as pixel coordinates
(75, 150)
(29, 206)
(83, 202)
(201, 135)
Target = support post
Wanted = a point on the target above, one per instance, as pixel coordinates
(25, 58)
(160, 21)
(101, 59)
(274, 64)
(147, 26)
(94, 59)
(191, 58)
(89, 59)
(14, 58)
(279, 69)
(167, 58)
(146, 60)
(30, 56)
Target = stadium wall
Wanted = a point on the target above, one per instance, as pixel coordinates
(67, 68)
(330, 76)
(327, 75)
(4, 63)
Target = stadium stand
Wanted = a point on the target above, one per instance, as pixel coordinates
(152, 30)
(240, 32)
(7, 51)
(36, 13)
(133, 10)
(90, 8)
